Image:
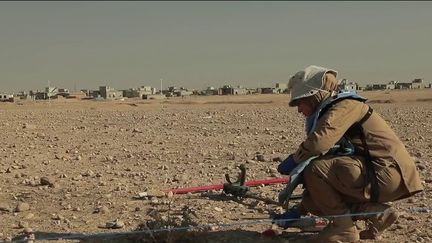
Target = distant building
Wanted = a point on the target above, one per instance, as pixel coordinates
(138, 92)
(348, 85)
(269, 91)
(107, 92)
(228, 90)
(403, 85)
(418, 84)
(252, 91)
(6, 98)
(379, 86)
(63, 92)
(23, 95)
(182, 93)
(77, 95)
(281, 87)
(174, 91)
(210, 91)
(94, 94)
(391, 85)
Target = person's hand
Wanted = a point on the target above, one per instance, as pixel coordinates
(285, 220)
(286, 166)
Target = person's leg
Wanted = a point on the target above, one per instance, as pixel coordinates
(327, 180)
(307, 205)
(335, 182)
(391, 188)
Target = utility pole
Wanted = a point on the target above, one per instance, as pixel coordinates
(161, 87)
(48, 92)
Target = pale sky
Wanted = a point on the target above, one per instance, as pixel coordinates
(200, 44)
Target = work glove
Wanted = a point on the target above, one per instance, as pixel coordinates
(286, 166)
(286, 219)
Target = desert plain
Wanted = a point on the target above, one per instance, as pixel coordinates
(75, 167)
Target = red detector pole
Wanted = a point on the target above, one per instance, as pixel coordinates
(252, 183)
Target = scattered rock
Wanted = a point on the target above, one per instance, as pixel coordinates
(23, 224)
(21, 207)
(260, 157)
(102, 210)
(29, 216)
(5, 208)
(47, 181)
(217, 209)
(29, 126)
(116, 224)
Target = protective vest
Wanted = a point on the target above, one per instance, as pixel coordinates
(342, 147)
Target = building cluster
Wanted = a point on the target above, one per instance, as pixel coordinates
(147, 92)
(143, 92)
(417, 83)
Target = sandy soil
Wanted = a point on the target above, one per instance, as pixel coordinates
(70, 166)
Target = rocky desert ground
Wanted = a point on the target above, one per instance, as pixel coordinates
(75, 167)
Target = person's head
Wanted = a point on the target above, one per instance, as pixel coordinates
(310, 87)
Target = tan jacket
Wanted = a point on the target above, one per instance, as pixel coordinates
(384, 145)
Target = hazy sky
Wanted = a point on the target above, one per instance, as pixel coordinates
(199, 44)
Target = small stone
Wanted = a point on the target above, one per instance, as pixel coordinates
(46, 181)
(5, 208)
(116, 224)
(401, 226)
(421, 167)
(21, 207)
(29, 216)
(218, 209)
(142, 194)
(102, 210)
(77, 178)
(22, 224)
(260, 157)
(29, 126)
(88, 173)
(28, 230)
(57, 217)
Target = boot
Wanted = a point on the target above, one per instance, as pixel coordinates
(376, 224)
(341, 229)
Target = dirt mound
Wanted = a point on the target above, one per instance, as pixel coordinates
(385, 101)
